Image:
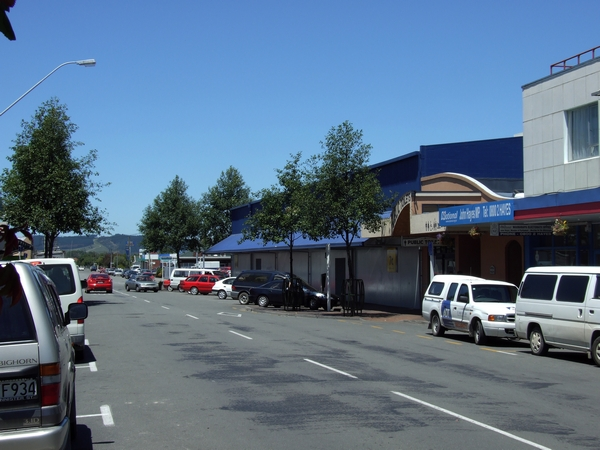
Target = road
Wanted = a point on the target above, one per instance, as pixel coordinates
(169, 370)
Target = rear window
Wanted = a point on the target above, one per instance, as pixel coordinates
(16, 323)
(538, 287)
(61, 275)
(436, 288)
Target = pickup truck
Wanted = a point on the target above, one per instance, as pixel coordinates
(482, 308)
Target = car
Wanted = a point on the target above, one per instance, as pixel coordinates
(118, 272)
(141, 283)
(482, 308)
(110, 271)
(37, 379)
(148, 273)
(273, 294)
(99, 282)
(65, 275)
(81, 268)
(195, 284)
(223, 287)
(93, 268)
(240, 288)
(127, 273)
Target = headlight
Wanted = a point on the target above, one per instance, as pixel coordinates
(496, 318)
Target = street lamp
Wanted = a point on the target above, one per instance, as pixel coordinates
(81, 62)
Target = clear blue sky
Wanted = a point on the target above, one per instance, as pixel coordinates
(190, 88)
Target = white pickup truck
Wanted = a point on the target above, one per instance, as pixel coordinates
(482, 308)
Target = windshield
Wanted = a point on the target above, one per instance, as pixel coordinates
(491, 293)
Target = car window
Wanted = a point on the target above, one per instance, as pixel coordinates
(204, 278)
(572, 288)
(436, 288)
(16, 323)
(464, 290)
(62, 277)
(52, 303)
(494, 293)
(538, 287)
(451, 291)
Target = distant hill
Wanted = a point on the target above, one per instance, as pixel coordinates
(102, 244)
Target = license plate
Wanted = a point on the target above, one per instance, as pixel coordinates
(11, 390)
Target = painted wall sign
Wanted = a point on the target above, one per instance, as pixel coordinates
(477, 213)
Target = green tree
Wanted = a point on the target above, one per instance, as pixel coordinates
(48, 190)
(347, 194)
(283, 209)
(172, 222)
(229, 192)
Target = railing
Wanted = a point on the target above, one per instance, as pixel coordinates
(570, 62)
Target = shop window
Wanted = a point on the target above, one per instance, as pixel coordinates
(582, 124)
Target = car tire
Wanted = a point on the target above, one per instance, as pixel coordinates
(596, 351)
(170, 288)
(436, 326)
(137, 289)
(127, 287)
(109, 292)
(537, 343)
(478, 333)
(244, 298)
(180, 289)
(155, 290)
(73, 415)
(194, 290)
(263, 301)
(222, 294)
(313, 304)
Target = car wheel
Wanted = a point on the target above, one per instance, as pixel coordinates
(222, 294)
(170, 288)
(479, 334)
(537, 343)
(436, 326)
(180, 289)
(243, 298)
(596, 351)
(137, 289)
(263, 301)
(313, 304)
(127, 287)
(155, 290)
(194, 290)
(73, 415)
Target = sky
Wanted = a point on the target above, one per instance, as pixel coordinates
(191, 88)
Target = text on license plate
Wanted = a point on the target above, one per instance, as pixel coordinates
(11, 390)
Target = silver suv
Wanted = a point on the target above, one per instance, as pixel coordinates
(37, 361)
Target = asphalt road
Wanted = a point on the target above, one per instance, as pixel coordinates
(174, 371)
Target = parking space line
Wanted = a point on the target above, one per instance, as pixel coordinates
(105, 413)
(241, 335)
(193, 317)
(330, 368)
(498, 351)
(164, 307)
(91, 365)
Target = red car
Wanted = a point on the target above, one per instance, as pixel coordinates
(195, 284)
(99, 282)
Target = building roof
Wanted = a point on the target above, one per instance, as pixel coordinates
(231, 244)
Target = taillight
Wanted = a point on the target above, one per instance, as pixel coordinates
(50, 375)
(80, 300)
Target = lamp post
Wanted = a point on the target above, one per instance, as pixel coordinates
(81, 62)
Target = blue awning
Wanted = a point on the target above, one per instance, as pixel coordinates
(232, 245)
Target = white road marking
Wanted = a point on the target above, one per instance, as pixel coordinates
(147, 301)
(229, 314)
(106, 415)
(164, 307)
(193, 317)
(329, 368)
(475, 422)
(91, 365)
(245, 337)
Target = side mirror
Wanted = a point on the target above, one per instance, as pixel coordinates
(463, 298)
(76, 311)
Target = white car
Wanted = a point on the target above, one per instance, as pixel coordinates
(223, 288)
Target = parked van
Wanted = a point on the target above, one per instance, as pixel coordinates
(178, 275)
(560, 307)
(65, 275)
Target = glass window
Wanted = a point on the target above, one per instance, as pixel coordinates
(583, 132)
(451, 291)
(436, 288)
(572, 288)
(16, 323)
(538, 287)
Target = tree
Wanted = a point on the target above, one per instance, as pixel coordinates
(283, 209)
(172, 222)
(347, 193)
(229, 192)
(48, 190)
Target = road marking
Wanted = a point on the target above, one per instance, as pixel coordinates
(165, 307)
(106, 415)
(424, 337)
(193, 317)
(375, 326)
(498, 351)
(147, 301)
(245, 337)
(229, 314)
(475, 422)
(398, 331)
(329, 368)
(91, 365)
(453, 343)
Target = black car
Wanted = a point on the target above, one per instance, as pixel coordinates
(272, 294)
(240, 288)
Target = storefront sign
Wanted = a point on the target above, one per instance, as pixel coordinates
(417, 242)
(477, 213)
(521, 229)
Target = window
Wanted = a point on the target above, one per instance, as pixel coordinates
(436, 288)
(582, 124)
(572, 288)
(539, 287)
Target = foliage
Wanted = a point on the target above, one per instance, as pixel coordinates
(347, 194)
(172, 222)
(283, 213)
(48, 190)
(5, 26)
(229, 192)
(560, 227)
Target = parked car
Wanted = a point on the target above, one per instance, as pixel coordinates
(240, 288)
(178, 275)
(81, 268)
(99, 282)
(195, 284)
(223, 287)
(65, 275)
(37, 380)
(118, 272)
(482, 308)
(141, 283)
(272, 294)
(110, 271)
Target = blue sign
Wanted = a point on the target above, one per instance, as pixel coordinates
(477, 213)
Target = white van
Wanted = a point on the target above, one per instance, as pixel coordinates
(65, 275)
(178, 275)
(560, 307)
